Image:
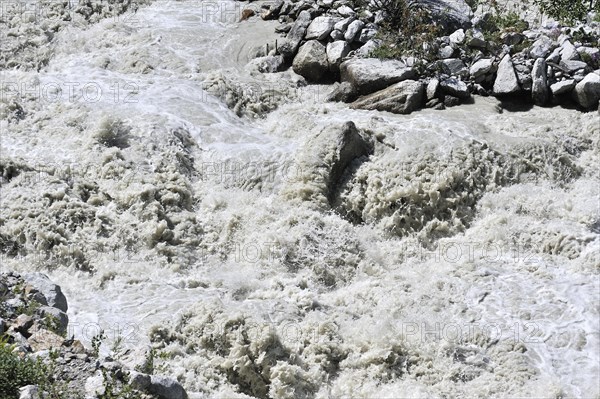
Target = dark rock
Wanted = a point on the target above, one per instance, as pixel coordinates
(539, 89)
(454, 67)
(455, 88)
(451, 101)
(296, 34)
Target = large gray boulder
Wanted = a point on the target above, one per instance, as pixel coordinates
(539, 88)
(311, 61)
(506, 78)
(52, 292)
(320, 28)
(587, 92)
(401, 98)
(166, 388)
(296, 34)
(369, 75)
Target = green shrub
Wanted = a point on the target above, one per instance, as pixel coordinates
(568, 11)
(17, 371)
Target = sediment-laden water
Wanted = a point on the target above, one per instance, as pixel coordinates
(171, 190)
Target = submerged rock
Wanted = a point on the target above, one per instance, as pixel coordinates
(323, 160)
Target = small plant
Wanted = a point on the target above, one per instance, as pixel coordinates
(568, 11)
(117, 389)
(117, 349)
(148, 366)
(17, 371)
(97, 342)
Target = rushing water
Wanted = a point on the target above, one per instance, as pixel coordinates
(461, 260)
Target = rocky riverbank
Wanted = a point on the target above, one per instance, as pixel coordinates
(477, 53)
(39, 360)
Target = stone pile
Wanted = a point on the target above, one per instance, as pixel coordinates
(34, 323)
(329, 41)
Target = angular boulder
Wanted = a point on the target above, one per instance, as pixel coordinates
(541, 47)
(539, 88)
(401, 98)
(452, 14)
(369, 75)
(52, 292)
(336, 51)
(562, 87)
(506, 79)
(353, 31)
(311, 61)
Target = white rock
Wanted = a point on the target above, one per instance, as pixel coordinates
(311, 61)
(458, 37)
(432, 88)
(368, 75)
(481, 67)
(353, 31)
(587, 92)
(320, 28)
(568, 51)
(541, 47)
(562, 87)
(51, 291)
(336, 51)
(29, 392)
(506, 78)
(94, 386)
(401, 98)
(346, 11)
(342, 25)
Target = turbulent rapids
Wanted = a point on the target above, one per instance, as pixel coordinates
(266, 247)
